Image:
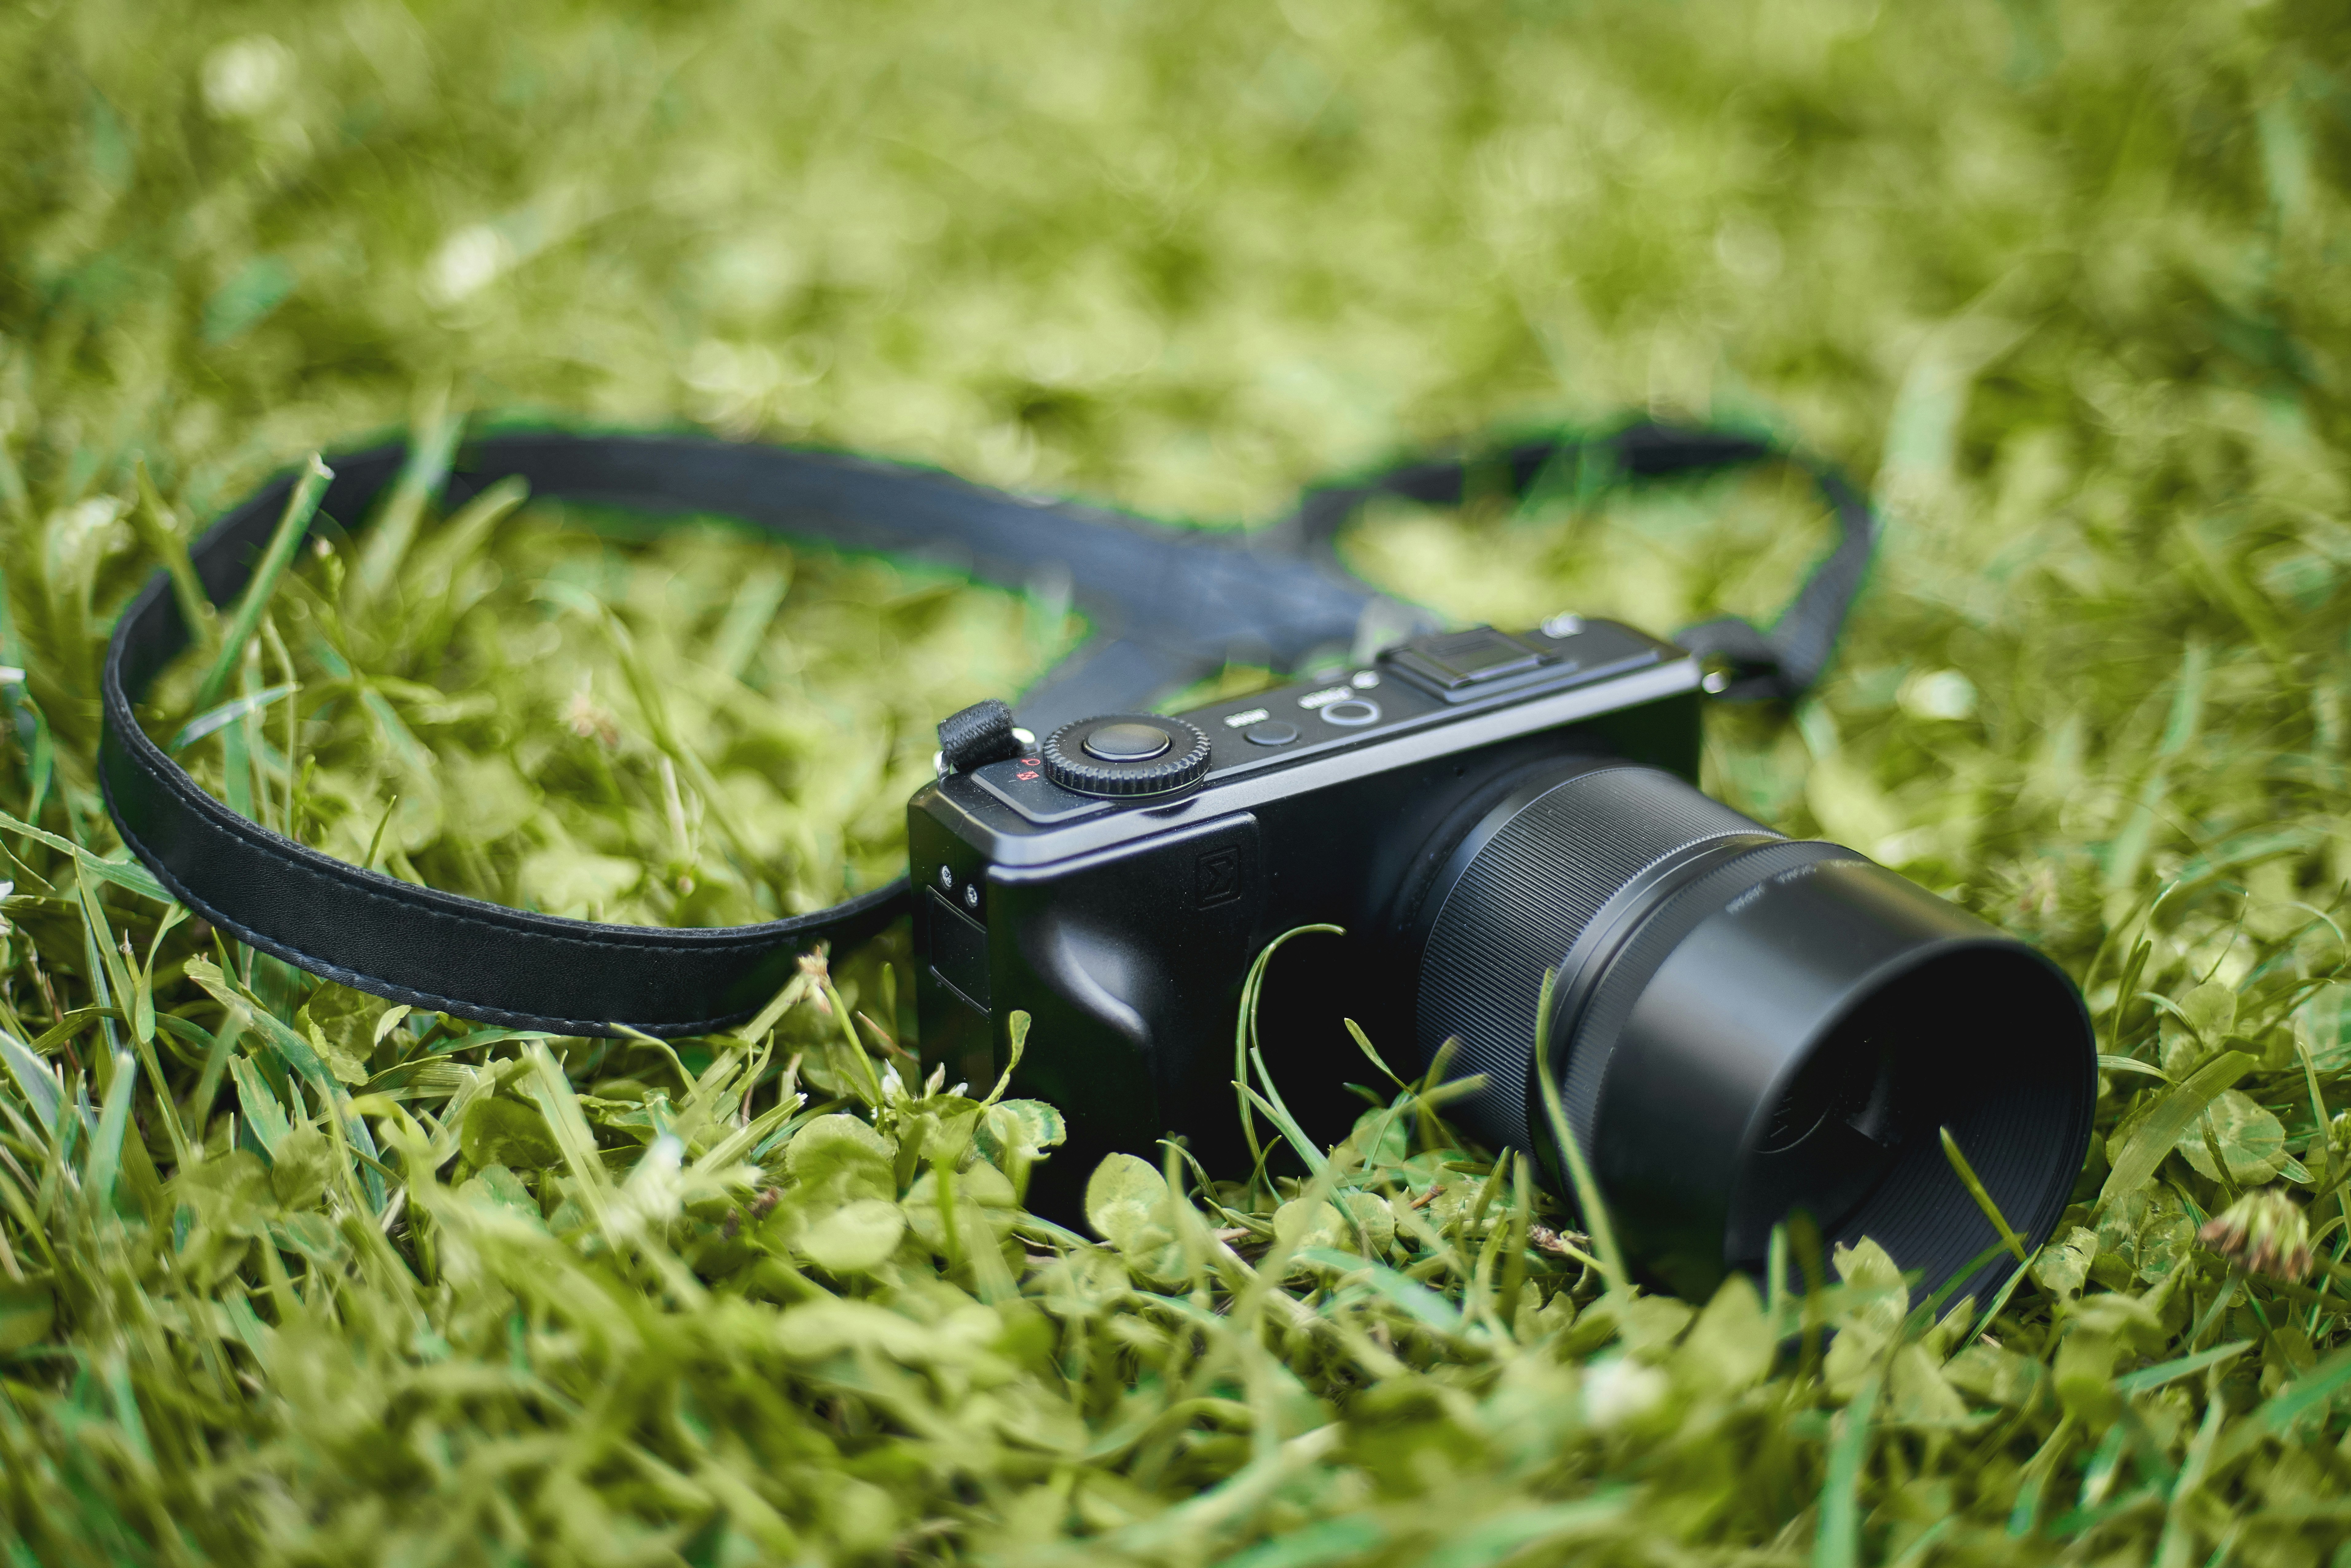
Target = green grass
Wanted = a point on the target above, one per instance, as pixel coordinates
(290, 1279)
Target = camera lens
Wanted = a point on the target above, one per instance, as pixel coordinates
(1745, 1026)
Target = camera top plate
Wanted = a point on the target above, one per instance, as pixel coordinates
(1433, 695)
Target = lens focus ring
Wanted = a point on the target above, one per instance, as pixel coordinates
(1072, 764)
(1517, 899)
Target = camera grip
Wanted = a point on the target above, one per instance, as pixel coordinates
(1130, 971)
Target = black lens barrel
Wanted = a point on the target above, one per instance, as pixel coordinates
(1745, 1026)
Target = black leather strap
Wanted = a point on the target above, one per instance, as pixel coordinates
(1168, 606)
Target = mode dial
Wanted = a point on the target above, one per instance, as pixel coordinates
(1125, 754)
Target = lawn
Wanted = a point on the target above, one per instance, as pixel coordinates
(287, 1276)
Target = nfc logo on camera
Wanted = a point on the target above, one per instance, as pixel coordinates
(1216, 878)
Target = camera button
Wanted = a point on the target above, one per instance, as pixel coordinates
(1352, 714)
(1127, 742)
(1275, 733)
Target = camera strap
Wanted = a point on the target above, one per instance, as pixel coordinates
(1168, 606)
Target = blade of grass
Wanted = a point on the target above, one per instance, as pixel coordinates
(2175, 1546)
(1588, 1201)
(33, 1080)
(430, 445)
(244, 620)
(106, 1149)
(290, 814)
(2024, 1518)
(1270, 1103)
(1016, 1032)
(2148, 1378)
(1838, 1540)
(460, 538)
(551, 1091)
(2172, 1116)
(2000, 1298)
(1244, 1039)
(217, 1052)
(1926, 1315)
(1968, 1179)
(165, 542)
(2130, 843)
(129, 875)
(375, 839)
(226, 714)
(2127, 989)
(2315, 1390)
(103, 966)
(1363, 1044)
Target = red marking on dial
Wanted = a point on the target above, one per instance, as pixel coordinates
(1025, 774)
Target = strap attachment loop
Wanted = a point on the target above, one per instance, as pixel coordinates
(979, 735)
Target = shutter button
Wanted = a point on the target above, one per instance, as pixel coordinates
(1127, 742)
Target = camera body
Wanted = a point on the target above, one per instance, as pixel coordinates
(1125, 925)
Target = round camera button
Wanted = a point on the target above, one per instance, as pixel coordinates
(1121, 754)
(1127, 743)
(1273, 734)
(1352, 714)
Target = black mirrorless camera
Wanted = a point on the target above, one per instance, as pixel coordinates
(1744, 1025)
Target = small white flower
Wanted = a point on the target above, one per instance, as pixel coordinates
(245, 77)
(591, 720)
(94, 514)
(1937, 693)
(1619, 1390)
(653, 1192)
(1909, 844)
(733, 383)
(1748, 250)
(467, 262)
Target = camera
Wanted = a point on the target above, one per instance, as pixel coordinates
(1743, 1026)
(1740, 1028)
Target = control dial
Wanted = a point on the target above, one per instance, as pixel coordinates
(1125, 754)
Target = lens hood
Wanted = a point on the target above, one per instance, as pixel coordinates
(1745, 1026)
(1782, 1037)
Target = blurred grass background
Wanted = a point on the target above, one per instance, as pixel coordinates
(2062, 282)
